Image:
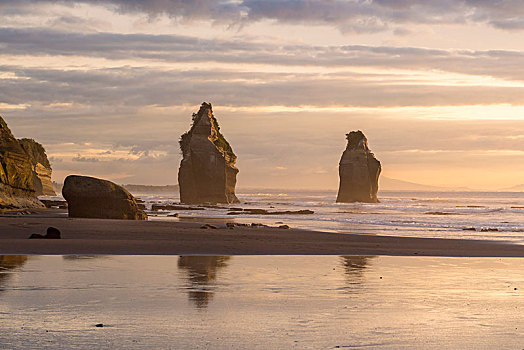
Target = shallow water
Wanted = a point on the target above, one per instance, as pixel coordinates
(260, 302)
(466, 215)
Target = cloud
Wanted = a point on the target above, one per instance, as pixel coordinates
(184, 49)
(114, 104)
(79, 158)
(127, 90)
(354, 16)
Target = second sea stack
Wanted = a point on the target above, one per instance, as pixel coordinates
(358, 170)
(207, 171)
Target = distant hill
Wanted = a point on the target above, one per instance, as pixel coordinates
(57, 187)
(150, 189)
(389, 184)
(517, 188)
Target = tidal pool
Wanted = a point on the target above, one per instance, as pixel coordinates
(260, 302)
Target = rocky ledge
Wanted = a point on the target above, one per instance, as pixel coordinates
(89, 197)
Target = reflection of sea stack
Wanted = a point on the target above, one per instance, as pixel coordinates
(9, 262)
(41, 167)
(207, 171)
(201, 273)
(355, 264)
(16, 173)
(354, 267)
(359, 171)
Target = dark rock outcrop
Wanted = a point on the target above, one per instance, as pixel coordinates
(266, 212)
(51, 233)
(54, 203)
(16, 173)
(155, 207)
(41, 167)
(89, 197)
(207, 171)
(358, 170)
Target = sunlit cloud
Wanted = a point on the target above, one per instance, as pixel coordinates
(108, 86)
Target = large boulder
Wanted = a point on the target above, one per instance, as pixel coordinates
(41, 167)
(207, 171)
(89, 197)
(16, 173)
(358, 170)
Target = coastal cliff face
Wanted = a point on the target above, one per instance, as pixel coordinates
(41, 167)
(16, 173)
(207, 171)
(89, 197)
(358, 170)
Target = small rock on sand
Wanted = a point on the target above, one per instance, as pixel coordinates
(208, 226)
(52, 233)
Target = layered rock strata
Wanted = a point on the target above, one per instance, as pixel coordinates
(16, 173)
(358, 170)
(207, 171)
(89, 197)
(41, 167)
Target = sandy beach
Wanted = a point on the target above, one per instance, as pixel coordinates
(99, 236)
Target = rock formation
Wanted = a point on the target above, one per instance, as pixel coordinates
(41, 167)
(358, 170)
(89, 197)
(207, 171)
(16, 173)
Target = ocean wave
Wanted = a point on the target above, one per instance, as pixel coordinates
(416, 214)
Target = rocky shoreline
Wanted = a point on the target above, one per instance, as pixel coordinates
(105, 236)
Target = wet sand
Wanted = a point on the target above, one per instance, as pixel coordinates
(260, 302)
(100, 236)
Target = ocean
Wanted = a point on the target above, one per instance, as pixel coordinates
(467, 215)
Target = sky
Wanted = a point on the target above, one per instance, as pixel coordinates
(108, 86)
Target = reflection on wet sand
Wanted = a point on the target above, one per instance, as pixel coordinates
(201, 272)
(354, 267)
(9, 262)
(82, 257)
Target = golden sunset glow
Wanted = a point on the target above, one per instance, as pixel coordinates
(440, 100)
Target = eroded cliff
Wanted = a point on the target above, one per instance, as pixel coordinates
(41, 167)
(16, 173)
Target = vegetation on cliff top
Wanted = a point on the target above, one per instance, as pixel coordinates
(220, 142)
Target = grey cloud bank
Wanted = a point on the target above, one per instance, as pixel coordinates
(350, 15)
(180, 49)
(128, 89)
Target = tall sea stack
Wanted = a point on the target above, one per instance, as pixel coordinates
(41, 167)
(358, 170)
(207, 171)
(16, 173)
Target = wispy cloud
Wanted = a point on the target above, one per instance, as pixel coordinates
(111, 97)
(348, 16)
